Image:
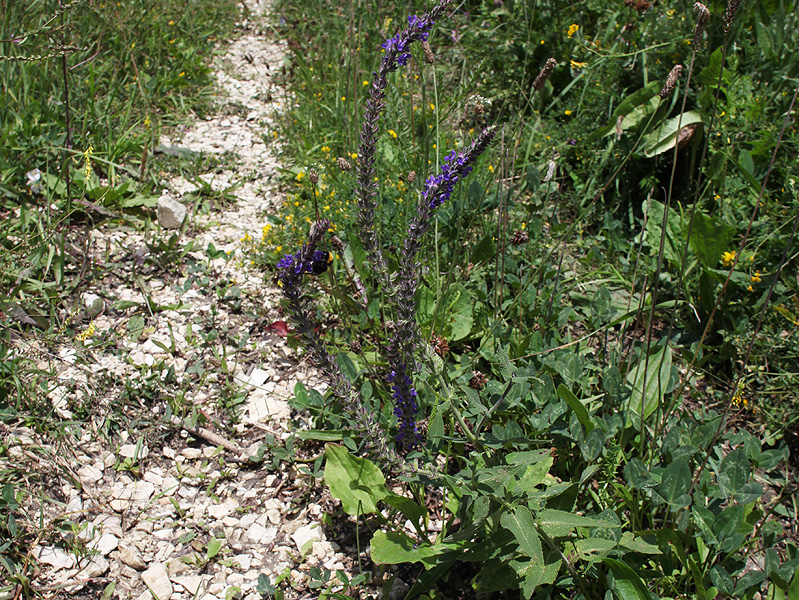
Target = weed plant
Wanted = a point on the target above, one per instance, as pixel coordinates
(577, 332)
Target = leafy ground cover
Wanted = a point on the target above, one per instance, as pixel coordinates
(603, 384)
(606, 307)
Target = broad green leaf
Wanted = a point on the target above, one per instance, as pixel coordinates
(578, 407)
(626, 583)
(557, 523)
(675, 483)
(459, 314)
(638, 102)
(710, 238)
(520, 523)
(735, 472)
(505, 366)
(407, 506)
(664, 138)
(591, 547)
(357, 482)
(649, 381)
(394, 547)
(638, 544)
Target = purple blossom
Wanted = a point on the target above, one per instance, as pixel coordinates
(396, 53)
(405, 408)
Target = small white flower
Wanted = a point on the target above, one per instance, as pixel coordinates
(34, 181)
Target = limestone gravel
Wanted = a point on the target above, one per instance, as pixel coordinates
(149, 510)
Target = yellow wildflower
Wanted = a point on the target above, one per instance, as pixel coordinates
(756, 277)
(86, 333)
(572, 29)
(567, 112)
(728, 258)
(300, 176)
(578, 65)
(392, 133)
(87, 157)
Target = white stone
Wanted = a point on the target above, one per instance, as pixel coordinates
(129, 451)
(96, 566)
(192, 453)
(260, 534)
(105, 544)
(89, 474)
(55, 557)
(157, 581)
(171, 214)
(244, 561)
(109, 524)
(191, 583)
(306, 535)
(129, 555)
(220, 511)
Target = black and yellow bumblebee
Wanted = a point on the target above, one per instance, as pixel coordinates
(321, 261)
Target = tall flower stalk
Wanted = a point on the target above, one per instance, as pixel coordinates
(400, 287)
(396, 53)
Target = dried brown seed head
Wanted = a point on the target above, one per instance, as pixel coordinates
(545, 73)
(671, 81)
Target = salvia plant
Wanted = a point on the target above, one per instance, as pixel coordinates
(610, 496)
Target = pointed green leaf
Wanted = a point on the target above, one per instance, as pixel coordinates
(520, 523)
(649, 381)
(626, 582)
(557, 523)
(664, 138)
(578, 407)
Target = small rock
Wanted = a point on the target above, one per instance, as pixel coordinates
(176, 568)
(129, 451)
(109, 524)
(191, 453)
(95, 567)
(220, 511)
(171, 214)
(105, 544)
(89, 474)
(260, 534)
(131, 557)
(55, 557)
(306, 535)
(244, 561)
(157, 581)
(191, 583)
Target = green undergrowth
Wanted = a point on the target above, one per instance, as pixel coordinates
(608, 301)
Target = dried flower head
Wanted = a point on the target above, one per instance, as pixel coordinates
(429, 57)
(520, 237)
(337, 244)
(343, 164)
(478, 381)
(478, 104)
(702, 16)
(545, 73)
(551, 166)
(313, 176)
(671, 81)
(729, 15)
(440, 344)
(411, 177)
